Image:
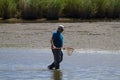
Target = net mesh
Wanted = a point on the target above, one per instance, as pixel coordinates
(69, 51)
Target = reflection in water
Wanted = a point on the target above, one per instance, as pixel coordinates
(57, 75)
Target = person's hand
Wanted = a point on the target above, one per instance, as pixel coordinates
(53, 47)
(63, 48)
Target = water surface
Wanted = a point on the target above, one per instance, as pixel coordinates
(31, 64)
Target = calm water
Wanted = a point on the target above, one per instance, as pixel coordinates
(31, 64)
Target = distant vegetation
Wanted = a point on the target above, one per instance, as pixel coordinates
(55, 9)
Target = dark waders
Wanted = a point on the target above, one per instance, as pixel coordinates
(58, 57)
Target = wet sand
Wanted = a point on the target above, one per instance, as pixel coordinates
(86, 35)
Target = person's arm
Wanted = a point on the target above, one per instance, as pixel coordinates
(63, 47)
(52, 44)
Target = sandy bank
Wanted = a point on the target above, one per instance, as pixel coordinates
(95, 35)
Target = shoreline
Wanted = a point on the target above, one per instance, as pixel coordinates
(61, 20)
(76, 51)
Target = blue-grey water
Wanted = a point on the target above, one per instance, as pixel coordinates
(31, 64)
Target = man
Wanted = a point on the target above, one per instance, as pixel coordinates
(56, 45)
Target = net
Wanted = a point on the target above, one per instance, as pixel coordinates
(69, 51)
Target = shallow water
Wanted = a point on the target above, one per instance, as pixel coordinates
(31, 64)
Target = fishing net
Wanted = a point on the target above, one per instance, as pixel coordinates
(69, 51)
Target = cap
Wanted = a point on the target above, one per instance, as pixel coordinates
(61, 27)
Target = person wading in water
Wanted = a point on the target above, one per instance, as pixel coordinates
(56, 45)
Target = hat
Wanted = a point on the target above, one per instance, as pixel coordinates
(61, 27)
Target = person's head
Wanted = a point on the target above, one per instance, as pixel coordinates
(60, 28)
